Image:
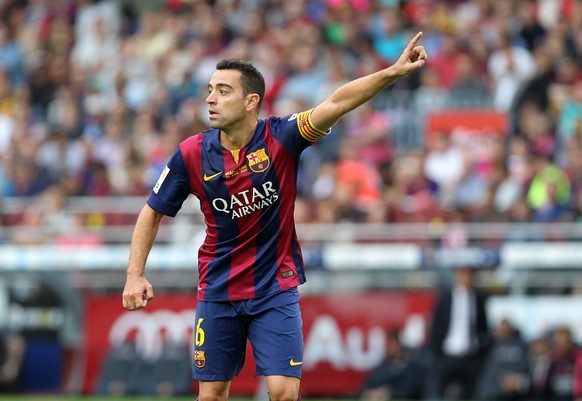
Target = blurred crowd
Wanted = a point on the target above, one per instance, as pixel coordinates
(464, 358)
(548, 367)
(96, 95)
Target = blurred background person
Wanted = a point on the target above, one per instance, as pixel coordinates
(539, 366)
(459, 338)
(577, 386)
(510, 66)
(564, 354)
(505, 370)
(399, 377)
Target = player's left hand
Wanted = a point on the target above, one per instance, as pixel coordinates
(412, 58)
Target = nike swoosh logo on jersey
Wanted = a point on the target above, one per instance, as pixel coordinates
(293, 363)
(209, 177)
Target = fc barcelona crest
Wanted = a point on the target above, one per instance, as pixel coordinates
(259, 161)
(199, 358)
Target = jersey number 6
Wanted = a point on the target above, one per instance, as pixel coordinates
(199, 333)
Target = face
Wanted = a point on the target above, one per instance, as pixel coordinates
(227, 104)
(465, 277)
(562, 339)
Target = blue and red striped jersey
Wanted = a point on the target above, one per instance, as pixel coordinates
(247, 197)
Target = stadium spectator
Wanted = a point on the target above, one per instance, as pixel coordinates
(471, 187)
(505, 373)
(570, 112)
(25, 178)
(518, 212)
(444, 165)
(536, 89)
(539, 365)
(11, 56)
(324, 184)
(469, 88)
(306, 77)
(510, 66)
(411, 196)
(549, 191)
(448, 55)
(371, 129)
(400, 376)
(577, 388)
(431, 96)
(535, 127)
(357, 182)
(530, 28)
(389, 34)
(564, 354)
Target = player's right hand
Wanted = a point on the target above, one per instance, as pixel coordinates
(413, 57)
(137, 292)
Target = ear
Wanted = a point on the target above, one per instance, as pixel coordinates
(253, 100)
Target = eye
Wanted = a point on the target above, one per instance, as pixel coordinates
(222, 92)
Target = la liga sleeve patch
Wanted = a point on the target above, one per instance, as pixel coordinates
(161, 179)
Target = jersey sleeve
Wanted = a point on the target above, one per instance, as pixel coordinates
(296, 132)
(172, 188)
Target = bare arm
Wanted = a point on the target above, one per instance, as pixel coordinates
(354, 93)
(138, 291)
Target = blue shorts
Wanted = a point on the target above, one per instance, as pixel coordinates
(272, 324)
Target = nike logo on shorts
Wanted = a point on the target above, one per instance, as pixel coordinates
(293, 363)
(209, 177)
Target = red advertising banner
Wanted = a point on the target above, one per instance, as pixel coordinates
(468, 121)
(108, 324)
(344, 335)
(474, 130)
(477, 120)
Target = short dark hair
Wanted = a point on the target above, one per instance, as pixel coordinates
(252, 80)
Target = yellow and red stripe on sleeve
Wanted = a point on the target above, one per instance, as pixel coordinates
(307, 129)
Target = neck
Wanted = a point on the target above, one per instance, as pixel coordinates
(236, 137)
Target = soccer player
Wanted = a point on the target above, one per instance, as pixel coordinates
(243, 170)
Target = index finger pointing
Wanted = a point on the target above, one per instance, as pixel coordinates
(414, 41)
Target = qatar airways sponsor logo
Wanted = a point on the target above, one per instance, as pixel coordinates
(248, 201)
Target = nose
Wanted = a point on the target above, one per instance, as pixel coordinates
(210, 99)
